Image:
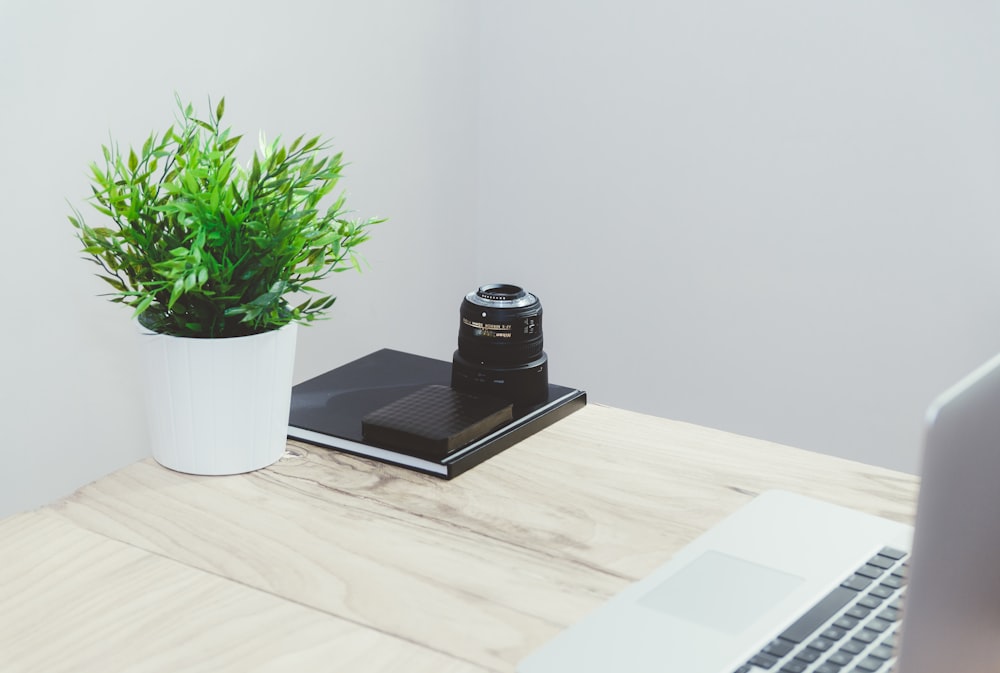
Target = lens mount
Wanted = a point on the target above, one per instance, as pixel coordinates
(501, 295)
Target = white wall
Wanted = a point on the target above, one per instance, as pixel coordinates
(387, 80)
(776, 217)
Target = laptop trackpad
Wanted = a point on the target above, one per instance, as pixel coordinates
(721, 592)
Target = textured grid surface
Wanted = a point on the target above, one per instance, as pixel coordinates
(435, 419)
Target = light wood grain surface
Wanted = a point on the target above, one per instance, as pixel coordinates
(356, 565)
(72, 600)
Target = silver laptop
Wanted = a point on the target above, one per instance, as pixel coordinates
(789, 584)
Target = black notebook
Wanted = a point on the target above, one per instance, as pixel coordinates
(328, 410)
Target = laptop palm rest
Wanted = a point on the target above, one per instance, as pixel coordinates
(721, 592)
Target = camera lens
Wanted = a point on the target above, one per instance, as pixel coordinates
(500, 345)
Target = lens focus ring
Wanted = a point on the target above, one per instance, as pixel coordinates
(500, 349)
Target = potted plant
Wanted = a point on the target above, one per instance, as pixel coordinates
(209, 254)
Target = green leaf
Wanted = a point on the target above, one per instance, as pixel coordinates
(143, 304)
(230, 144)
(176, 292)
(255, 170)
(220, 108)
(114, 282)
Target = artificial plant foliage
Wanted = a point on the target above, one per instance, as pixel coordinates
(202, 246)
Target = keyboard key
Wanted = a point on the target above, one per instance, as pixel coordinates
(854, 646)
(870, 571)
(808, 655)
(892, 553)
(820, 644)
(871, 601)
(881, 591)
(846, 623)
(881, 652)
(870, 664)
(859, 611)
(779, 648)
(764, 660)
(818, 615)
(893, 582)
(890, 614)
(793, 667)
(865, 636)
(878, 625)
(841, 657)
(856, 582)
(833, 633)
(883, 562)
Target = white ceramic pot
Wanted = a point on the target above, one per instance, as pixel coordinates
(218, 406)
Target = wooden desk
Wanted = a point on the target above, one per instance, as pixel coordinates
(325, 562)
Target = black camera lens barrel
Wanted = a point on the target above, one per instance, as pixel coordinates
(500, 346)
(500, 328)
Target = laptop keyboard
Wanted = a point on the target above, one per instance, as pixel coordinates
(851, 630)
